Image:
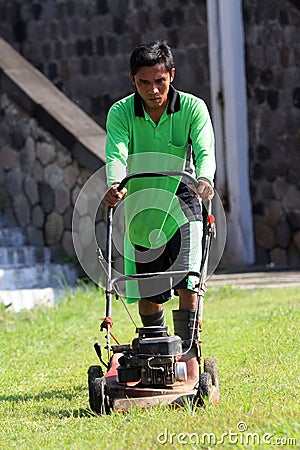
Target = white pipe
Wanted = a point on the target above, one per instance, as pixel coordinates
(227, 69)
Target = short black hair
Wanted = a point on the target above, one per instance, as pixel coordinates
(156, 52)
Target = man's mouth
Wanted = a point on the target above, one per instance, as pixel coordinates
(155, 99)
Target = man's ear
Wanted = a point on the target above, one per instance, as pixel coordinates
(132, 78)
(172, 74)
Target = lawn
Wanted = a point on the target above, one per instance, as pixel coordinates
(45, 354)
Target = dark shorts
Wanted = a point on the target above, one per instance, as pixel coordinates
(182, 252)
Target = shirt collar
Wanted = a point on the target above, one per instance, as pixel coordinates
(173, 104)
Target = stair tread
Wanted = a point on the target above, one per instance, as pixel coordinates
(29, 268)
(24, 256)
(52, 264)
(19, 299)
(38, 276)
(23, 247)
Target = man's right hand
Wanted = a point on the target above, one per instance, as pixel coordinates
(113, 196)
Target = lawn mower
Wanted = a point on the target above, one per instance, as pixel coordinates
(152, 369)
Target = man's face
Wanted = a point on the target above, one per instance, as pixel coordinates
(152, 83)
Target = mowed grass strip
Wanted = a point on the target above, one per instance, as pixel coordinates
(45, 354)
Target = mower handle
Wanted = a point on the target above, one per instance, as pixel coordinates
(164, 173)
(109, 281)
(170, 173)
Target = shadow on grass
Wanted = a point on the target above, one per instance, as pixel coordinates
(69, 413)
(56, 393)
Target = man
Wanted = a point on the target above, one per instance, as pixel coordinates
(153, 128)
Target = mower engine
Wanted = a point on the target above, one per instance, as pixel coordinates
(152, 358)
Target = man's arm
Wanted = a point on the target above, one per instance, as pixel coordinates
(117, 141)
(203, 144)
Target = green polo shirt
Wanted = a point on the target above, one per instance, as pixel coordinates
(135, 143)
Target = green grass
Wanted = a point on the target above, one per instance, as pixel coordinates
(45, 354)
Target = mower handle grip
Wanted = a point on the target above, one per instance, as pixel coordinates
(164, 173)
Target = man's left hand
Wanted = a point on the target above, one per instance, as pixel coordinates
(205, 190)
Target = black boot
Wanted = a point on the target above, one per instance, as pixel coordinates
(184, 321)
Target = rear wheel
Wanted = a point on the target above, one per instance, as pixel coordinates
(210, 366)
(202, 395)
(209, 383)
(205, 384)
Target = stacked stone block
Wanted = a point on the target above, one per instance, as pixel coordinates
(272, 64)
(39, 181)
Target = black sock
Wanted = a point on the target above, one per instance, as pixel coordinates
(154, 320)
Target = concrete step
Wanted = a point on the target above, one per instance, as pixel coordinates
(24, 256)
(38, 276)
(12, 237)
(27, 276)
(15, 300)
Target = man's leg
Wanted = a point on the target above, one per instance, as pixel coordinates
(187, 299)
(152, 314)
(183, 320)
(155, 260)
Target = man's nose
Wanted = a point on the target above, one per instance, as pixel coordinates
(154, 88)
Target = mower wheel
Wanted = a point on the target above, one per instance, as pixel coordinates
(97, 397)
(205, 384)
(204, 388)
(100, 401)
(210, 366)
(95, 372)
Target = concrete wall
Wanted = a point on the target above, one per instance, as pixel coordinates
(273, 76)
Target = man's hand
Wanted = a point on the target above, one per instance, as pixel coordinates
(205, 190)
(113, 196)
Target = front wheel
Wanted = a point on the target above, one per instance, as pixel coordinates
(100, 404)
(97, 391)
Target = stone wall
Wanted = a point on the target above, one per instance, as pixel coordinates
(39, 181)
(83, 46)
(273, 75)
